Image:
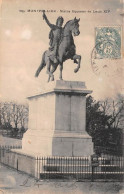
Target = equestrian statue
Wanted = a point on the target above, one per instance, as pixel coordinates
(61, 48)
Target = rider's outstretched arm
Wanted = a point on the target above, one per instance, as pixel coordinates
(52, 26)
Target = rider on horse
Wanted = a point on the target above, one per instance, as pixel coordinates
(54, 35)
(62, 43)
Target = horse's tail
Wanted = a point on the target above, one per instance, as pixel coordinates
(42, 65)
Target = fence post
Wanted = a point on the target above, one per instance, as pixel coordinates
(92, 175)
(17, 164)
(37, 166)
(0, 153)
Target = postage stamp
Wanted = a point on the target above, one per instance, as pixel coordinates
(107, 47)
(108, 42)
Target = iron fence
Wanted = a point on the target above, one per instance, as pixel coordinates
(10, 147)
(6, 149)
(109, 168)
(80, 168)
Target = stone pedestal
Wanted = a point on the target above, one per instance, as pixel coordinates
(57, 121)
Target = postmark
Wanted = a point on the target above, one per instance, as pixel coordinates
(107, 49)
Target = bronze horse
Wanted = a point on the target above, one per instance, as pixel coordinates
(66, 50)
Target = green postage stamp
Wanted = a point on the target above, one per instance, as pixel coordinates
(108, 42)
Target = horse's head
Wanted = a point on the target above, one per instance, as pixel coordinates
(72, 26)
(75, 27)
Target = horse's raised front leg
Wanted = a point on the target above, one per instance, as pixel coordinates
(61, 68)
(75, 57)
(48, 71)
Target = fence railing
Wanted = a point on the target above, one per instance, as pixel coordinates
(10, 147)
(80, 168)
(6, 149)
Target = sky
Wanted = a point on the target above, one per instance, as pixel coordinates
(24, 38)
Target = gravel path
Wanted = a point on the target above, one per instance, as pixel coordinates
(12, 181)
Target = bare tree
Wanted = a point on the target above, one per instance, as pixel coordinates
(5, 113)
(13, 114)
(114, 108)
(23, 114)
